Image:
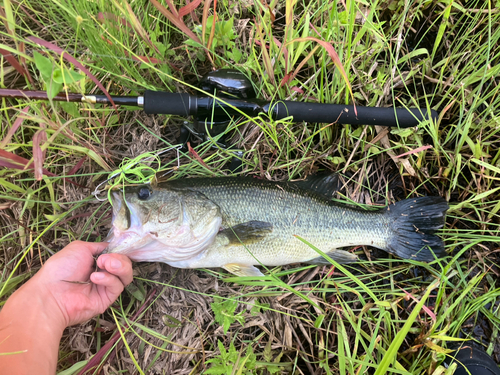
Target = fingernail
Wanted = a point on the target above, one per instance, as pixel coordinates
(99, 275)
(115, 264)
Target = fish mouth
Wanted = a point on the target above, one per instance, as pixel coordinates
(125, 215)
(126, 225)
(116, 203)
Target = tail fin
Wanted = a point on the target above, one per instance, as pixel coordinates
(414, 222)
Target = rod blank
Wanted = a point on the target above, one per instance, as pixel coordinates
(71, 97)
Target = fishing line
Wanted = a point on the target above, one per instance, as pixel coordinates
(82, 53)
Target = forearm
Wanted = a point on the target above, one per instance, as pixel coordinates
(29, 326)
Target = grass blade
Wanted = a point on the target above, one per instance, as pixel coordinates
(39, 138)
(333, 55)
(176, 20)
(185, 10)
(132, 357)
(13, 61)
(17, 123)
(392, 352)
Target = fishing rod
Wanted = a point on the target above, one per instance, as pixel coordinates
(235, 95)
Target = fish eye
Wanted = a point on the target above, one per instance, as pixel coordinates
(143, 193)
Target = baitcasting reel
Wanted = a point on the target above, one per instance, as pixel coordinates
(225, 84)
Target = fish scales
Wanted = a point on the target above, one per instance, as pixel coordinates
(237, 223)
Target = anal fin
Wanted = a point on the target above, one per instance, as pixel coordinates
(242, 269)
(340, 256)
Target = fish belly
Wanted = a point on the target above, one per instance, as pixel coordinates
(283, 246)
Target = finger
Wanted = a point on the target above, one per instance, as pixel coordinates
(95, 248)
(114, 286)
(118, 265)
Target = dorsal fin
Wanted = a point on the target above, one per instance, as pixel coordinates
(325, 185)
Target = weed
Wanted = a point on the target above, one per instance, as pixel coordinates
(231, 361)
(224, 312)
(55, 79)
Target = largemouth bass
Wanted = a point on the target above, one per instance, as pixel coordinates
(239, 223)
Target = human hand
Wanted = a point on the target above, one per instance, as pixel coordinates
(69, 282)
(65, 291)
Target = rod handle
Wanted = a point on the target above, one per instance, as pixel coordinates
(344, 114)
(168, 103)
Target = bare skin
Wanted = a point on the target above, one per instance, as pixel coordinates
(59, 295)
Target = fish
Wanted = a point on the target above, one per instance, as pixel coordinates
(239, 223)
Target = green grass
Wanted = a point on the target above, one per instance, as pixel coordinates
(442, 55)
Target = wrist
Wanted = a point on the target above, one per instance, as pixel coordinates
(42, 305)
(30, 329)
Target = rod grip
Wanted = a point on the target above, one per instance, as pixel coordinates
(167, 103)
(344, 114)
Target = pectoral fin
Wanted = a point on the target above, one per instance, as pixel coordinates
(247, 233)
(340, 256)
(242, 269)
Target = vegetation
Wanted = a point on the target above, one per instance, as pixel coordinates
(378, 316)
